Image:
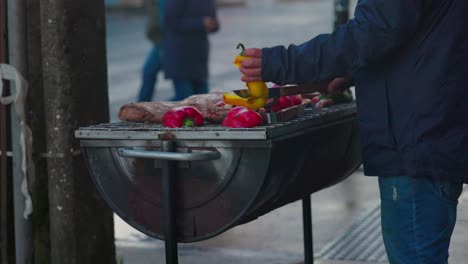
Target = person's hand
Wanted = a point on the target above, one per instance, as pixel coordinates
(252, 67)
(210, 24)
(338, 85)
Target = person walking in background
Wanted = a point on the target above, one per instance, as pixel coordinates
(154, 59)
(188, 23)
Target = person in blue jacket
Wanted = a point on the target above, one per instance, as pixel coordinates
(408, 60)
(188, 23)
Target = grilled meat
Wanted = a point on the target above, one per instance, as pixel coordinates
(208, 104)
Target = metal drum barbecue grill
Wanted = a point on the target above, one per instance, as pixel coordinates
(191, 184)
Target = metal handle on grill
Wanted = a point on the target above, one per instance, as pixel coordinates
(154, 154)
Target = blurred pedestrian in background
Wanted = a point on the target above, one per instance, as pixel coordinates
(188, 23)
(154, 60)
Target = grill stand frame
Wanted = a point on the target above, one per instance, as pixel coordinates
(307, 231)
(169, 158)
(119, 135)
(171, 249)
(169, 174)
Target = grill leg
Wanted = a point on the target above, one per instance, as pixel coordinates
(307, 225)
(169, 207)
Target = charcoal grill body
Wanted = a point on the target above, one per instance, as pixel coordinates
(258, 170)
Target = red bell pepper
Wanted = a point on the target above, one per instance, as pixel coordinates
(295, 99)
(316, 99)
(286, 101)
(242, 117)
(183, 116)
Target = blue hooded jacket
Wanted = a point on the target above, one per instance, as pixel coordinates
(409, 62)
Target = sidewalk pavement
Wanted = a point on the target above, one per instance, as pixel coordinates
(458, 249)
(276, 238)
(273, 238)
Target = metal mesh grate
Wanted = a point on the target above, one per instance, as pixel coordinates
(308, 119)
(361, 242)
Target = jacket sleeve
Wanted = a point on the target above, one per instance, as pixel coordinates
(175, 20)
(378, 28)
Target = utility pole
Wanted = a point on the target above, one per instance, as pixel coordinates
(75, 94)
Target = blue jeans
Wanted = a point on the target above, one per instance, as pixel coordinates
(186, 88)
(418, 218)
(153, 64)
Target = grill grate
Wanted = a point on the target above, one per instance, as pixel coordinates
(308, 119)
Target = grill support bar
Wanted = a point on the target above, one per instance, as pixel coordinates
(307, 228)
(168, 155)
(168, 184)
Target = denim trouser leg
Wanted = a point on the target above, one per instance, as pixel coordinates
(183, 89)
(418, 218)
(200, 87)
(151, 68)
(186, 88)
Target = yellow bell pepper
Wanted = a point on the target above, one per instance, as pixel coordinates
(240, 57)
(257, 89)
(251, 102)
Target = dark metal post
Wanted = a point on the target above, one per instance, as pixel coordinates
(3, 149)
(168, 184)
(3, 189)
(341, 12)
(38, 180)
(307, 225)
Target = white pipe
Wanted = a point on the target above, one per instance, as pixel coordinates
(16, 13)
